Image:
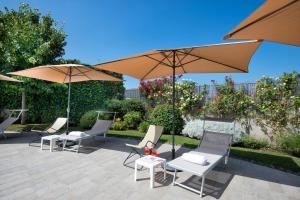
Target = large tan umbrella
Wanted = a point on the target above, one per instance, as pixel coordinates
(220, 58)
(65, 73)
(6, 78)
(275, 21)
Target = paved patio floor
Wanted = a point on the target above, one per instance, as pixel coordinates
(26, 172)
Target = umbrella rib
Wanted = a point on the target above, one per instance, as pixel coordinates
(179, 60)
(259, 19)
(84, 73)
(159, 62)
(215, 62)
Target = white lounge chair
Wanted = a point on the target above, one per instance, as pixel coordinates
(54, 128)
(13, 117)
(150, 140)
(100, 128)
(214, 147)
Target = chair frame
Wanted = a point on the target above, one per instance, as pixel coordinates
(10, 115)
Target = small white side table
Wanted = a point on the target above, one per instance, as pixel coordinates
(150, 162)
(52, 139)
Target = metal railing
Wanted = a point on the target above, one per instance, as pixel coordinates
(248, 87)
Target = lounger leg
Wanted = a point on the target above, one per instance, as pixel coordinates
(164, 170)
(135, 171)
(174, 177)
(226, 160)
(42, 141)
(79, 143)
(202, 185)
(64, 144)
(151, 177)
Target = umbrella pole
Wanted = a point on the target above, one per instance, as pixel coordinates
(173, 104)
(69, 98)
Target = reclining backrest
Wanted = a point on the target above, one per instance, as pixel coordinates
(215, 142)
(153, 134)
(57, 125)
(6, 123)
(101, 126)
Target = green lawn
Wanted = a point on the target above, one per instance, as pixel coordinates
(269, 158)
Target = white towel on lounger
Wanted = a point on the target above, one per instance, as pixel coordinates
(194, 157)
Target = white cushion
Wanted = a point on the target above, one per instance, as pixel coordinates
(77, 133)
(195, 157)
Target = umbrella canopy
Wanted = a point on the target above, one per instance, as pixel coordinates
(220, 58)
(62, 73)
(6, 78)
(65, 73)
(275, 21)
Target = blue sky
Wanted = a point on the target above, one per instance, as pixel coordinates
(101, 30)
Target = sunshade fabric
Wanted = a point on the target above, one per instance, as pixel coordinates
(6, 78)
(61, 73)
(275, 21)
(220, 58)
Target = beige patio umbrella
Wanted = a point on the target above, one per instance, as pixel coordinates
(65, 73)
(220, 58)
(275, 21)
(6, 78)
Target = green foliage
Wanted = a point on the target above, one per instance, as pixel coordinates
(290, 143)
(249, 141)
(229, 103)
(118, 125)
(163, 114)
(29, 39)
(132, 119)
(88, 119)
(278, 104)
(143, 127)
(125, 106)
(159, 91)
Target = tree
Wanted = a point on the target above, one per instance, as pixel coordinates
(29, 39)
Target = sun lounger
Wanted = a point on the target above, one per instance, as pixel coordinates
(52, 129)
(100, 128)
(13, 117)
(150, 140)
(214, 147)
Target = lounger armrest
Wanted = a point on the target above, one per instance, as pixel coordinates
(38, 131)
(150, 142)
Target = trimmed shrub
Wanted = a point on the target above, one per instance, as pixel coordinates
(290, 143)
(143, 127)
(249, 141)
(132, 119)
(131, 105)
(118, 125)
(162, 115)
(125, 106)
(88, 119)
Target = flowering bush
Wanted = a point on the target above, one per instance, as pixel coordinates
(232, 104)
(159, 91)
(278, 104)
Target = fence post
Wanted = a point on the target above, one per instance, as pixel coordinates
(23, 117)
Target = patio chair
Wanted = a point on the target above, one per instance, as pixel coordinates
(150, 140)
(54, 128)
(100, 128)
(12, 118)
(214, 147)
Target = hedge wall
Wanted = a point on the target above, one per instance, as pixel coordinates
(46, 101)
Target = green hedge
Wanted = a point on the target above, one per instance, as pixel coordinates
(47, 101)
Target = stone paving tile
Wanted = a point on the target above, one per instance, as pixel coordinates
(29, 173)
